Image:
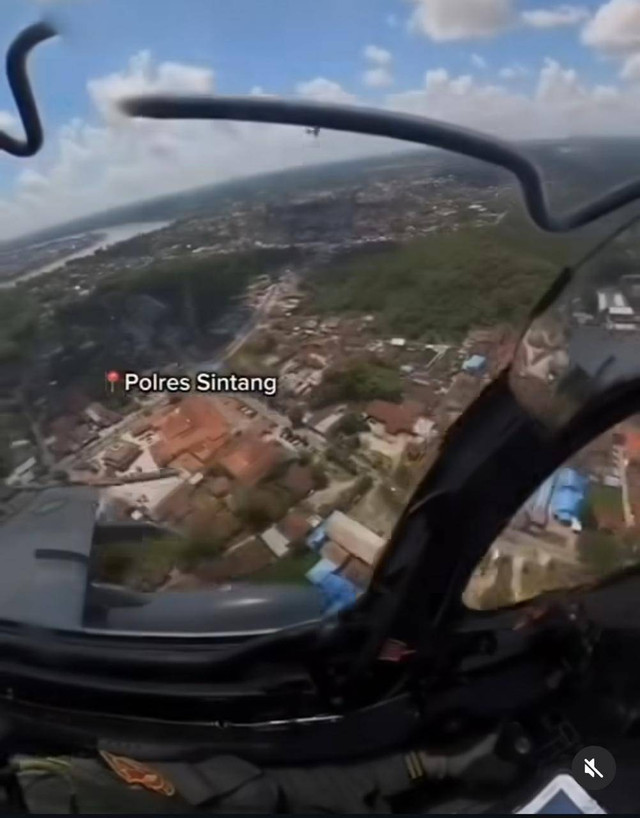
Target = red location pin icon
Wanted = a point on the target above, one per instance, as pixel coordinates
(113, 377)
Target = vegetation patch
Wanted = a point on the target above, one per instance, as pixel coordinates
(359, 381)
(437, 288)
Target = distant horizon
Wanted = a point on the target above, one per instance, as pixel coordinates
(31, 236)
(511, 69)
(54, 232)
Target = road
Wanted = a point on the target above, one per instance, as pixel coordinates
(441, 350)
(105, 482)
(46, 458)
(521, 543)
(263, 310)
(245, 333)
(112, 435)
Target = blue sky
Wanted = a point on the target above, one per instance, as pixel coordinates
(272, 43)
(504, 65)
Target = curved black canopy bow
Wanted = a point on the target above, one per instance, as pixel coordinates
(406, 127)
(354, 119)
(21, 88)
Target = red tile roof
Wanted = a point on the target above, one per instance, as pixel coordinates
(294, 526)
(358, 572)
(195, 426)
(632, 442)
(250, 459)
(298, 480)
(396, 417)
(187, 461)
(335, 553)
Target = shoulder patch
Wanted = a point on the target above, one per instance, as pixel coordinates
(136, 774)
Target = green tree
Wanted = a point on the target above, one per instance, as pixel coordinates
(350, 424)
(305, 458)
(201, 548)
(262, 344)
(600, 552)
(114, 563)
(363, 484)
(339, 455)
(440, 286)
(296, 414)
(359, 381)
(263, 505)
(404, 476)
(320, 479)
(18, 325)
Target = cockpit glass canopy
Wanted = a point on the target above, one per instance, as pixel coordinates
(586, 341)
(230, 350)
(217, 403)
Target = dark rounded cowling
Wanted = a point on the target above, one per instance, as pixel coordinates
(241, 608)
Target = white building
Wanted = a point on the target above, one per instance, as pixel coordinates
(275, 541)
(355, 538)
(615, 308)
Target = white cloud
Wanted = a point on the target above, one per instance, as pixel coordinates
(324, 90)
(142, 76)
(380, 74)
(615, 27)
(557, 84)
(377, 55)
(377, 77)
(478, 61)
(606, 93)
(561, 105)
(8, 121)
(631, 68)
(31, 180)
(513, 71)
(115, 160)
(563, 15)
(443, 20)
(110, 160)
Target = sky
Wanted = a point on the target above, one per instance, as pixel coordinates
(515, 68)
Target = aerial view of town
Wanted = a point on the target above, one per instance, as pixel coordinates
(358, 312)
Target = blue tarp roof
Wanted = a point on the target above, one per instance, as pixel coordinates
(320, 570)
(475, 362)
(569, 495)
(317, 537)
(570, 478)
(339, 593)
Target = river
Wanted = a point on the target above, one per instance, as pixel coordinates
(108, 236)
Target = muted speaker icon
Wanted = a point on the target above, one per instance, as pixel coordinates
(594, 768)
(591, 769)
